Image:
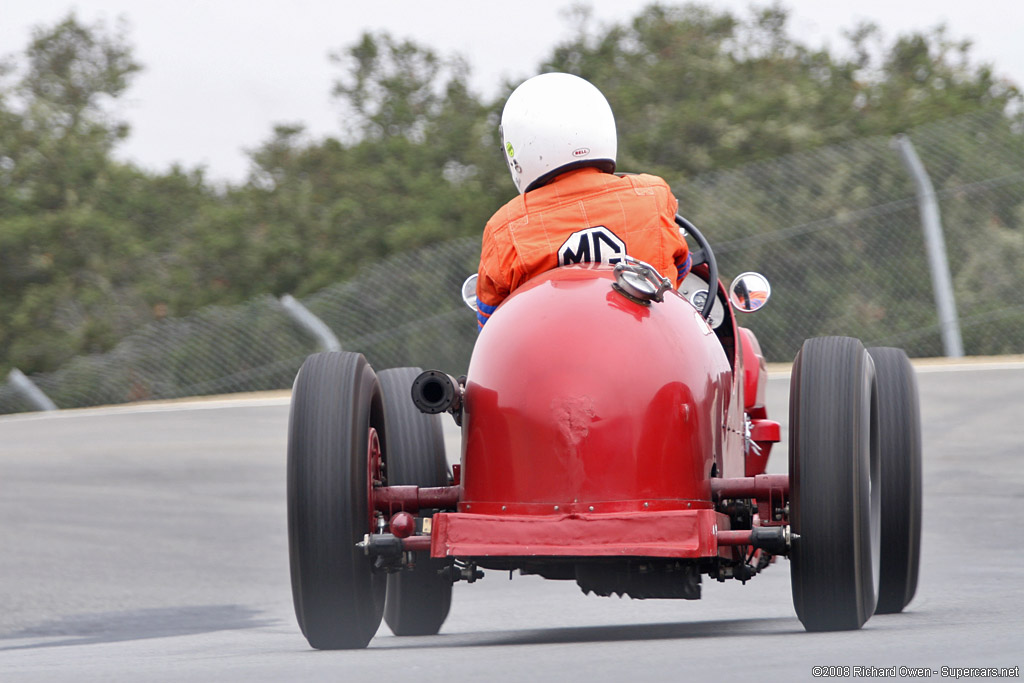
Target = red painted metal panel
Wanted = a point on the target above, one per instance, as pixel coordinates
(765, 430)
(764, 433)
(755, 371)
(577, 396)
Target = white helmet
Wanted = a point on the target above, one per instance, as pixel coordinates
(553, 123)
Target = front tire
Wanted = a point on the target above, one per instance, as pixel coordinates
(900, 443)
(418, 599)
(834, 477)
(336, 414)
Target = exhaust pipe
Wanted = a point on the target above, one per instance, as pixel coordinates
(435, 392)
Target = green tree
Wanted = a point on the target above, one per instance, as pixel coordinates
(73, 73)
(80, 234)
(696, 89)
(417, 164)
(91, 248)
(390, 87)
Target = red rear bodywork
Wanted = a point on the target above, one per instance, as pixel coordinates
(593, 425)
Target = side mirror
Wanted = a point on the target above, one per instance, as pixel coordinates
(749, 292)
(469, 291)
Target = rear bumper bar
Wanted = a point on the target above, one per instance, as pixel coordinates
(672, 533)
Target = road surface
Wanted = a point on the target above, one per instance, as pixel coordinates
(148, 543)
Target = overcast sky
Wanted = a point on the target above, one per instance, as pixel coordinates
(219, 73)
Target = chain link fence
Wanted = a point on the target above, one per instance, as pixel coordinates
(838, 233)
(406, 310)
(836, 230)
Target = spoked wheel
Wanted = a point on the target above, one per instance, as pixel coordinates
(418, 599)
(900, 444)
(336, 418)
(834, 484)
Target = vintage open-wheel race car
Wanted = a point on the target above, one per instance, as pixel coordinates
(614, 433)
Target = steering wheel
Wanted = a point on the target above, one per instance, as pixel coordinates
(702, 255)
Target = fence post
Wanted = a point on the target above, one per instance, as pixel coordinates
(312, 324)
(935, 245)
(30, 391)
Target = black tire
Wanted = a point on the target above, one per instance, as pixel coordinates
(418, 599)
(338, 595)
(834, 492)
(900, 443)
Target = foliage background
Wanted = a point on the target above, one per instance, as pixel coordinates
(780, 152)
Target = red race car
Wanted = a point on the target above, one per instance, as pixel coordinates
(614, 433)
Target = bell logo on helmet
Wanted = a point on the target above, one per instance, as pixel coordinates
(592, 245)
(581, 152)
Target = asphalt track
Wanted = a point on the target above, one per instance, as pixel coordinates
(148, 543)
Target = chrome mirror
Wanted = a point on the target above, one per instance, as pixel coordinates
(469, 291)
(749, 292)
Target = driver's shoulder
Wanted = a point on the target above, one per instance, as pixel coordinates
(645, 181)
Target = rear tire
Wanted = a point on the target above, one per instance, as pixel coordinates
(338, 595)
(834, 492)
(900, 444)
(418, 599)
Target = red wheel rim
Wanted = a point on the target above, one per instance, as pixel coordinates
(374, 475)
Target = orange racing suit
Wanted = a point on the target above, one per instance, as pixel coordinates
(583, 216)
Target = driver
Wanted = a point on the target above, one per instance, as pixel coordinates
(558, 136)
